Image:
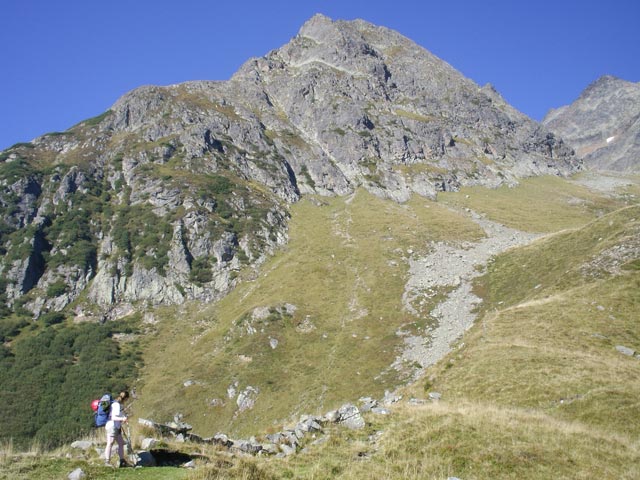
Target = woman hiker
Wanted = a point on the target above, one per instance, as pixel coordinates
(113, 429)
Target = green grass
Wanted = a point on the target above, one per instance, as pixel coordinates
(344, 272)
(47, 467)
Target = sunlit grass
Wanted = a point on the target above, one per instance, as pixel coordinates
(539, 204)
(344, 270)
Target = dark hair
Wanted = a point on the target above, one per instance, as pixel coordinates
(123, 395)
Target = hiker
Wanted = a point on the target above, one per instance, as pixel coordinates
(113, 429)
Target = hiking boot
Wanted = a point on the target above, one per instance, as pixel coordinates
(123, 463)
(107, 463)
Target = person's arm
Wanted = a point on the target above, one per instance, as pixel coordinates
(116, 414)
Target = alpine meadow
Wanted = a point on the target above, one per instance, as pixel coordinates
(347, 261)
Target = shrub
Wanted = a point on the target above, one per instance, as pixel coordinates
(56, 289)
(200, 271)
(49, 377)
(51, 318)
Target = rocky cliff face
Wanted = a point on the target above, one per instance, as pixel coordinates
(171, 192)
(603, 124)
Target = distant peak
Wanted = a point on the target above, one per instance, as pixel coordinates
(604, 82)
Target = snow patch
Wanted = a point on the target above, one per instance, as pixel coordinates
(611, 139)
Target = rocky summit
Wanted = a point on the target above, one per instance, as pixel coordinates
(171, 192)
(603, 124)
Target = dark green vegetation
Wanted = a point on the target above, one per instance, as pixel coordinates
(55, 211)
(50, 375)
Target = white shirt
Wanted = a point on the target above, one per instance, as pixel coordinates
(115, 416)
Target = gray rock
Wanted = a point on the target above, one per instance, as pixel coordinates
(270, 449)
(309, 424)
(222, 439)
(148, 443)
(625, 350)
(287, 450)
(367, 403)
(248, 446)
(380, 411)
(232, 390)
(247, 398)
(82, 444)
(390, 398)
(276, 438)
(349, 416)
(435, 396)
(77, 474)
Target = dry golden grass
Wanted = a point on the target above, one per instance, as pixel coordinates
(540, 204)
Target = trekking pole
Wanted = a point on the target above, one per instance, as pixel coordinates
(127, 438)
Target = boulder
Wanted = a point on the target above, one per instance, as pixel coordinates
(247, 398)
(625, 350)
(77, 474)
(349, 416)
(148, 443)
(82, 444)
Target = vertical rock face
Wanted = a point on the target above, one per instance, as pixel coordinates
(167, 195)
(603, 124)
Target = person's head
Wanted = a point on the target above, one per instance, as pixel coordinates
(122, 396)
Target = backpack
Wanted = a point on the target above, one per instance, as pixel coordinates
(103, 411)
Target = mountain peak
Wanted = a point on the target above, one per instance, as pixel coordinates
(317, 23)
(603, 124)
(345, 105)
(603, 84)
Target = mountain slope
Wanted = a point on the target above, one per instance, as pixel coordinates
(178, 194)
(603, 124)
(536, 389)
(326, 320)
(167, 195)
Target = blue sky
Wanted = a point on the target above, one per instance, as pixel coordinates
(67, 60)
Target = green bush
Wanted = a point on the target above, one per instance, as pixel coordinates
(200, 271)
(49, 378)
(56, 289)
(15, 170)
(51, 318)
(10, 327)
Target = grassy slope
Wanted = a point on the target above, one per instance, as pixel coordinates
(536, 391)
(540, 204)
(343, 270)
